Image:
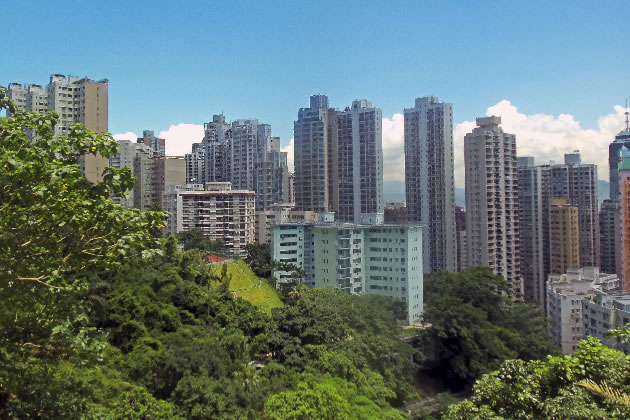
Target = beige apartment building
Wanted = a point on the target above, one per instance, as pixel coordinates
(216, 209)
(76, 100)
(492, 226)
(564, 236)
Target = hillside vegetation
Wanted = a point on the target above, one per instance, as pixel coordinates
(246, 285)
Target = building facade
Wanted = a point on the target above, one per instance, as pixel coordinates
(623, 231)
(157, 144)
(124, 159)
(564, 236)
(215, 209)
(608, 226)
(75, 100)
(315, 144)
(429, 180)
(530, 214)
(360, 161)
(492, 226)
(369, 258)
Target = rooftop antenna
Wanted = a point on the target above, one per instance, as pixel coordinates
(627, 122)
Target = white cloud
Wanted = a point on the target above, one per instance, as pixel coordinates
(289, 149)
(126, 136)
(544, 136)
(179, 138)
(393, 148)
(547, 137)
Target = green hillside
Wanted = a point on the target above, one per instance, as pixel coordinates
(246, 285)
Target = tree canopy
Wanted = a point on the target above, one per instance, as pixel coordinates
(472, 327)
(56, 228)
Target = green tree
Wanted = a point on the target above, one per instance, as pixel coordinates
(259, 259)
(195, 239)
(56, 228)
(552, 388)
(472, 327)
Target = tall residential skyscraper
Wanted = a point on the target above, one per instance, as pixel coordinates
(530, 210)
(564, 236)
(623, 232)
(429, 180)
(314, 141)
(76, 100)
(124, 158)
(216, 150)
(195, 164)
(360, 161)
(608, 230)
(243, 148)
(622, 139)
(577, 182)
(462, 248)
(492, 201)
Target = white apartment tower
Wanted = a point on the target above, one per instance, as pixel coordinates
(315, 157)
(360, 161)
(75, 100)
(429, 180)
(492, 201)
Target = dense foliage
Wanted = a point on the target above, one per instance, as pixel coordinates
(195, 239)
(56, 230)
(100, 319)
(554, 388)
(473, 327)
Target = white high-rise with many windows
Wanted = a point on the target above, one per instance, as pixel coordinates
(429, 181)
(492, 226)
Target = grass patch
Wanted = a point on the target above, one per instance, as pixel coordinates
(264, 296)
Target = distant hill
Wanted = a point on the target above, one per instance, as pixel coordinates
(395, 191)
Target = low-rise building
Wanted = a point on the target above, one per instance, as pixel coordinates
(565, 295)
(603, 313)
(370, 257)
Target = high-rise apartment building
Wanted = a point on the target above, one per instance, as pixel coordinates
(75, 100)
(245, 154)
(492, 226)
(623, 231)
(622, 139)
(530, 212)
(577, 182)
(360, 161)
(564, 236)
(157, 144)
(154, 173)
(216, 209)
(429, 184)
(125, 158)
(216, 151)
(608, 230)
(315, 146)
(195, 164)
(243, 141)
(460, 229)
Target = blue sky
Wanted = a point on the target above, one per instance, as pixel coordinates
(180, 62)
